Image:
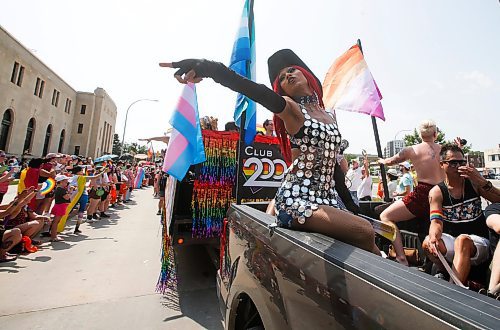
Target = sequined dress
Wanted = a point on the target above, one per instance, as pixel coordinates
(309, 181)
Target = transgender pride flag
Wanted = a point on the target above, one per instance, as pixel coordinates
(185, 147)
(349, 85)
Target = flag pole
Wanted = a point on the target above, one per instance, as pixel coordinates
(379, 148)
(243, 119)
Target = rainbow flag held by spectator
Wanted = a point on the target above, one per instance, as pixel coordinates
(243, 62)
(349, 85)
(185, 147)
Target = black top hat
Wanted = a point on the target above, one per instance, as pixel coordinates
(283, 58)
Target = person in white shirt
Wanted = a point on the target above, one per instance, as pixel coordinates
(364, 192)
(354, 177)
(392, 182)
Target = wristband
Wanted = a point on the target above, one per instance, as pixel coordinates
(487, 186)
(436, 215)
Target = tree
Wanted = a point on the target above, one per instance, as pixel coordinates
(117, 146)
(135, 148)
(414, 138)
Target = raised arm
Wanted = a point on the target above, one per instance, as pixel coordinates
(7, 175)
(485, 188)
(398, 158)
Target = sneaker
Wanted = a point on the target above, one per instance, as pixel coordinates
(95, 216)
(159, 212)
(77, 231)
(104, 215)
(442, 276)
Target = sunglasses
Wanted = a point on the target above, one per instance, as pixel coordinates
(455, 163)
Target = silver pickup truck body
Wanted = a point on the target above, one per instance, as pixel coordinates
(297, 280)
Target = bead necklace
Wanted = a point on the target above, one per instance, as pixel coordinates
(447, 183)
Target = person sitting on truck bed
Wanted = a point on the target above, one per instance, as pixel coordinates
(458, 225)
(425, 157)
(492, 214)
(306, 199)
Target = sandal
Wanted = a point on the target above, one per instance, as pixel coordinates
(8, 258)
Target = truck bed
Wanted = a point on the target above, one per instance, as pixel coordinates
(348, 287)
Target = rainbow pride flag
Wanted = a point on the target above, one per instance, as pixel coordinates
(349, 85)
(185, 147)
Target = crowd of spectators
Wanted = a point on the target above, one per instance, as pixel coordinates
(46, 188)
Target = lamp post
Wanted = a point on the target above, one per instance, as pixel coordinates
(126, 117)
(396, 138)
(401, 131)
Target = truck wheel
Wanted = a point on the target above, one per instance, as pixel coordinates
(247, 316)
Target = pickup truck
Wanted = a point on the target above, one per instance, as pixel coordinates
(298, 280)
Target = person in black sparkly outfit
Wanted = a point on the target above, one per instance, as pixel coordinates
(308, 197)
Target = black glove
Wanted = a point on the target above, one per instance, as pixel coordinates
(227, 77)
(342, 190)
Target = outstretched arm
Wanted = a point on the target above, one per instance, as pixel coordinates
(194, 70)
(398, 158)
(164, 139)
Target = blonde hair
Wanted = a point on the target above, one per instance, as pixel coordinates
(427, 128)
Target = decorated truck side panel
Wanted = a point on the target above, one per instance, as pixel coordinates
(202, 199)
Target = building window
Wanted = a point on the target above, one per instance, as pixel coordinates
(82, 109)
(29, 136)
(5, 129)
(17, 74)
(67, 106)
(77, 150)
(46, 143)
(80, 128)
(40, 84)
(55, 97)
(61, 141)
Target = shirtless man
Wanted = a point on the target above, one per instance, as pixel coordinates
(425, 158)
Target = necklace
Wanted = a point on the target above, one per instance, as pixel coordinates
(462, 198)
(307, 99)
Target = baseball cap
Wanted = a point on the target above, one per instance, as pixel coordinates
(392, 172)
(61, 177)
(405, 165)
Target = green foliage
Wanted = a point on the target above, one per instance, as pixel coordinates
(414, 138)
(350, 157)
(135, 148)
(117, 146)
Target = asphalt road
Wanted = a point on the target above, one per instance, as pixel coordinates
(106, 277)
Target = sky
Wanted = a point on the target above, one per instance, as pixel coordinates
(431, 59)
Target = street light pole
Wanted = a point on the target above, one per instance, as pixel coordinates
(401, 131)
(126, 117)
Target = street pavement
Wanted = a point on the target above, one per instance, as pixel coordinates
(105, 278)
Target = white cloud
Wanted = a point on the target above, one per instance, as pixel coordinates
(475, 80)
(437, 84)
